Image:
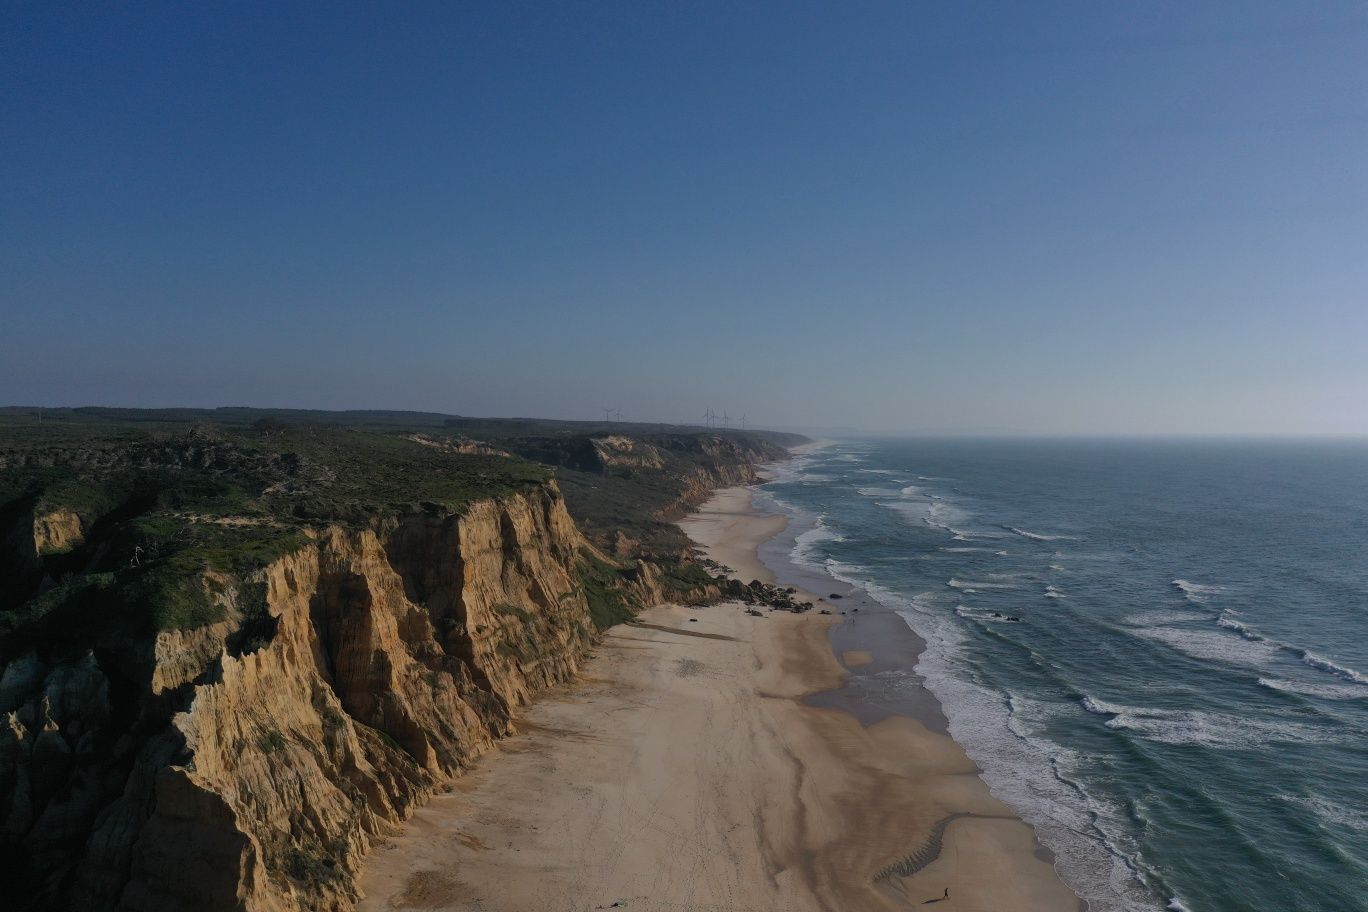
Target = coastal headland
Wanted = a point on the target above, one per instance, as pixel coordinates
(274, 661)
(710, 758)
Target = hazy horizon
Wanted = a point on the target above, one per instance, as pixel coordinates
(1064, 219)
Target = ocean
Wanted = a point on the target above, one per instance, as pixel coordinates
(1156, 651)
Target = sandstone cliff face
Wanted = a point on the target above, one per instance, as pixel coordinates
(212, 769)
(55, 531)
(616, 450)
(726, 463)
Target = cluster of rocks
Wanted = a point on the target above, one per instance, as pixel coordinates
(776, 598)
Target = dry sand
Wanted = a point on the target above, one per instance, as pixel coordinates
(686, 772)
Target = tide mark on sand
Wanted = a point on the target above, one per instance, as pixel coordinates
(928, 852)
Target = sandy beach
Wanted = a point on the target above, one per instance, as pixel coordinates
(712, 760)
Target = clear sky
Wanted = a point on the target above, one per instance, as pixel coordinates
(1094, 217)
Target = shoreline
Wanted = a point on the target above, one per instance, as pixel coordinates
(711, 759)
(867, 640)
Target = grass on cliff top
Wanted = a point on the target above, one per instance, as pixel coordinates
(165, 499)
(163, 512)
(310, 472)
(352, 475)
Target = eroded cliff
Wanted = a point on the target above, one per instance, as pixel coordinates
(233, 657)
(255, 775)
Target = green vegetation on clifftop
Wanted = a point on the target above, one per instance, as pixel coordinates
(118, 520)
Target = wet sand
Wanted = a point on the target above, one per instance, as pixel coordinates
(712, 760)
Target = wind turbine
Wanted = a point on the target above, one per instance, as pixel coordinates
(726, 421)
(743, 421)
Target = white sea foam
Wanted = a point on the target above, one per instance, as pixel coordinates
(975, 585)
(1053, 593)
(1087, 831)
(1213, 645)
(1320, 663)
(1039, 536)
(910, 490)
(1100, 707)
(1311, 689)
(878, 492)
(1196, 592)
(1249, 648)
(980, 614)
(1163, 616)
(944, 516)
(877, 471)
(805, 544)
(912, 510)
(1331, 811)
(787, 471)
(1212, 729)
(1228, 620)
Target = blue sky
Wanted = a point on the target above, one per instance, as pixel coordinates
(1048, 218)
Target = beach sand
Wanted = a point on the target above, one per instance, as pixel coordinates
(711, 760)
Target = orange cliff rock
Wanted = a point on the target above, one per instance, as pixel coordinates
(259, 769)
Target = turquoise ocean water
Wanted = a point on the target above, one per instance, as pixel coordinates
(1181, 706)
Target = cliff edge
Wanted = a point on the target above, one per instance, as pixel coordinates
(227, 665)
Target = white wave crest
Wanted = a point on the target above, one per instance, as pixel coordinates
(1196, 592)
(1212, 729)
(1100, 707)
(1052, 593)
(1321, 663)
(941, 515)
(1213, 645)
(1230, 622)
(978, 614)
(805, 544)
(1039, 536)
(878, 492)
(973, 585)
(1323, 691)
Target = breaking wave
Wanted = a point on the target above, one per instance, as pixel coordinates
(1039, 536)
(1320, 663)
(1310, 689)
(1196, 592)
